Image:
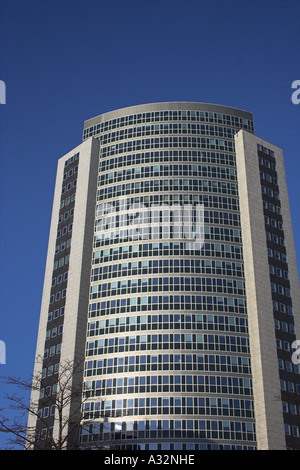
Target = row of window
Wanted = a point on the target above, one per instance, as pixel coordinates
(288, 366)
(159, 185)
(69, 173)
(168, 383)
(208, 383)
(59, 279)
(168, 302)
(63, 231)
(153, 429)
(270, 192)
(167, 156)
(209, 201)
(152, 224)
(57, 296)
(61, 262)
(58, 330)
(271, 207)
(67, 201)
(169, 425)
(168, 406)
(282, 307)
(170, 266)
(63, 246)
(184, 341)
(192, 236)
(167, 284)
(119, 213)
(280, 289)
(292, 408)
(291, 430)
(291, 387)
(46, 392)
(271, 237)
(93, 442)
(279, 256)
(171, 115)
(285, 345)
(278, 272)
(180, 362)
(56, 313)
(284, 326)
(167, 142)
(48, 371)
(269, 178)
(162, 445)
(174, 248)
(167, 170)
(69, 186)
(49, 352)
(265, 150)
(267, 163)
(64, 217)
(72, 159)
(46, 411)
(166, 128)
(183, 321)
(161, 213)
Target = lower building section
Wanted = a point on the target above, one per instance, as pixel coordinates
(171, 433)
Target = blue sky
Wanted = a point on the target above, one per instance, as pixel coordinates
(65, 61)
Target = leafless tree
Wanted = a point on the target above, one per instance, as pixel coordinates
(66, 412)
(65, 405)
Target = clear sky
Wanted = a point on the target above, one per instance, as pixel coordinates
(65, 61)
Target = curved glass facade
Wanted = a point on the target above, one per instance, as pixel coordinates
(171, 270)
(167, 348)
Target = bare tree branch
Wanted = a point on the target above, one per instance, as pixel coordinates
(66, 405)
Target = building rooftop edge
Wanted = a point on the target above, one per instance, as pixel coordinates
(169, 105)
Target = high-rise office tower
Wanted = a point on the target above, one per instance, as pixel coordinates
(171, 274)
